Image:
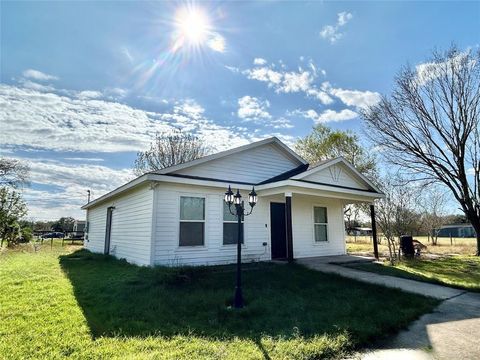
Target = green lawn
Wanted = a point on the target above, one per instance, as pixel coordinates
(85, 306)
(457, 271)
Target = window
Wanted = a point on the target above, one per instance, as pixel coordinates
(320, 223)
(192, 221)
(230, 227)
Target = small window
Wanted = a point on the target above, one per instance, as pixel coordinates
(320, 223)
(230, 226)
(192, 221)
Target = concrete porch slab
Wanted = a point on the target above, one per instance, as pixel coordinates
(337, 259)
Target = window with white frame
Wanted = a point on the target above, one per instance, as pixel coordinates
(320, 223)
(192, 221)
(230, 227)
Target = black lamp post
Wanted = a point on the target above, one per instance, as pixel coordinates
(236, 199)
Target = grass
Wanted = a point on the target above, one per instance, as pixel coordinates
(461, 246)
(58, 303)
(462, 272)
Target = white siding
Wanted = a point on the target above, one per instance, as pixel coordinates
(250, 166)
(131, 226)
(304, 244)
(257, 228)
(97, 219)
(345, 177)
(167, 249)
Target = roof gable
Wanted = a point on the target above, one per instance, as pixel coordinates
(338, 172)
(252, 163)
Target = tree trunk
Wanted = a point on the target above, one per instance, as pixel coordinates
(476, 227)
(475, 221)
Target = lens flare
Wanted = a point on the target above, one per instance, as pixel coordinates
(193, 28)
(193, 25)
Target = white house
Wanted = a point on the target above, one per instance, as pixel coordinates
(177, 216)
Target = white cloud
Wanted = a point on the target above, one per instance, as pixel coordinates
(427, 72)
(334, 116)
(259, 61)
(217, 43)
(328, 115)
(322, 96)
(127, 54)
(344, 17)
(332, 32)
(264, 74)
(36, 86)
(38, 75)
(89, 94)
(304, 81)
(296, 82)
(189, 108)
(359, 99)
(288, 81)
(84, 159)
(233, 69)
(60, 121)
(281, 123)
(252, 108)
(65, 123)
(70, 184)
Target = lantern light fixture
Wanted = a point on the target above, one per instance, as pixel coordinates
(229, 196)
(238, 198)
(252, 198)
(239, 212)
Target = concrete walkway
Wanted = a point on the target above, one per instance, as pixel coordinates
(450, 332)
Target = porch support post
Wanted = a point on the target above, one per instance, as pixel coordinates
(374, 231)
(288, 223)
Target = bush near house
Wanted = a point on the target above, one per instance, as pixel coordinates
(80, 305)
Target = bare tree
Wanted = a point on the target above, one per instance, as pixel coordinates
(395, 214)
(433, 205)
(13, 173)
(168, 150)
(429, 126)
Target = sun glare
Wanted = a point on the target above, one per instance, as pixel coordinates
(193, 25)
(193, 31)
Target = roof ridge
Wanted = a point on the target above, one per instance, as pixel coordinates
(220, 154)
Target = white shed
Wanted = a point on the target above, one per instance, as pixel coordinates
(177, 216)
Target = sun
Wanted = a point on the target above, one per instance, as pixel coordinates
(192, 25)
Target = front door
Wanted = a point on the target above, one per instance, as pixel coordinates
(108, 230)
(277, 231)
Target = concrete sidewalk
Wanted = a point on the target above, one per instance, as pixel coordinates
(450, 332)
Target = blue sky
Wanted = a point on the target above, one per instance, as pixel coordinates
(84, 85)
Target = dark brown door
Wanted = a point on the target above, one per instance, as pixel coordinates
(108, 230)
(277, 231)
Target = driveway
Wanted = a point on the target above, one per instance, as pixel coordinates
(450, 332)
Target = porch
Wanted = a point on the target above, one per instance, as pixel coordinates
(306, 220)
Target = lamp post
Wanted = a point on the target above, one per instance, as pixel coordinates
(231, 199)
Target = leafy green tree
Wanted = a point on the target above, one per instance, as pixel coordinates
(63, 224)
(325, 143)
(12, 209)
